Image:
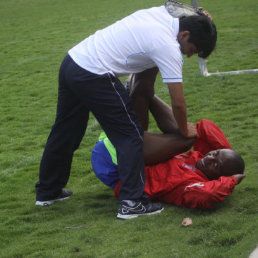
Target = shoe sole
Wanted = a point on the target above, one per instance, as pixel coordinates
(133, 216)
(47, 203)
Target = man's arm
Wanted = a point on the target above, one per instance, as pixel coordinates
(239, 177)
(179, 110)
(205, 195)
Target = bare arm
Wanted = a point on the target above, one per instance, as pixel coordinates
(179, 110)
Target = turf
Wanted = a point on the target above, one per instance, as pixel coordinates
(35, 36)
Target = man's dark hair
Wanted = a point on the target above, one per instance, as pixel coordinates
(203, 33)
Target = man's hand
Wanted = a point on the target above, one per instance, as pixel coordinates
(191, 130)
(206, 13)
(239, 177)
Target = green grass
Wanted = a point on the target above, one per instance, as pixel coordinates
(35, 36)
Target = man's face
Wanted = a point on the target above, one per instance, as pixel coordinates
(187, 48)
(216, 163)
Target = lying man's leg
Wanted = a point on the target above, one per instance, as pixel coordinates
(144, 100)
(161, 147)
(156, 147)
(163, 115)
(141, 93)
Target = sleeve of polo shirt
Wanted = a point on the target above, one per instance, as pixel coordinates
(204, 195)
(170, 63)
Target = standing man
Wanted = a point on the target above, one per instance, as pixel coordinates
(88, 82)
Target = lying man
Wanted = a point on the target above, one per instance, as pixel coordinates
(197, 179)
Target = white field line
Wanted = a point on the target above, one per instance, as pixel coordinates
(254, 254)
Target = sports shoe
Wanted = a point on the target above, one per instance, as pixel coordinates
(130, 209)
(65, 194)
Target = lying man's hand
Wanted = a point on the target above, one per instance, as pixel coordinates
(239, 177)
(206, 13)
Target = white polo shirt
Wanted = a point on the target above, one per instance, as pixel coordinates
(142, 40)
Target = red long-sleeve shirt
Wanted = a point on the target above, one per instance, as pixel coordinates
(177, 180)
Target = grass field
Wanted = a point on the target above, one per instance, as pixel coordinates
(35, 36)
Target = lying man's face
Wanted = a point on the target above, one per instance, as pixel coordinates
(222, 162)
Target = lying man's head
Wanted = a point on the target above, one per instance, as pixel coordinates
(222, 162)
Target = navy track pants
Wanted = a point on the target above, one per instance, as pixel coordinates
(79, 93)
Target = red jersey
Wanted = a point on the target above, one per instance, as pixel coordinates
(177, 180)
